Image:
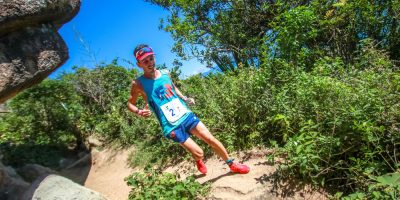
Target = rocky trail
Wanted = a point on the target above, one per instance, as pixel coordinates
(104, 171)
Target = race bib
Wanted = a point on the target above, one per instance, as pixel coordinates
(174, 110)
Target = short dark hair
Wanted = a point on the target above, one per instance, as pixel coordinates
(138, 47)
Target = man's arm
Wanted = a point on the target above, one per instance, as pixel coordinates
(136, 91)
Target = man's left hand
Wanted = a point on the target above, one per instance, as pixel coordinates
(189, 100)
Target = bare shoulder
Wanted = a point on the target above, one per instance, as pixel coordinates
(134, 83)
(136, 86)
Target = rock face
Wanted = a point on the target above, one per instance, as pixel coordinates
(11, 184)
(30, 46)
(31, 172)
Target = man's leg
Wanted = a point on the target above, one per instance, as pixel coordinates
(197, 154)
(204, 134)
(193, 148)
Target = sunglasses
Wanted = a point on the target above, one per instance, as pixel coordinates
(143, 51)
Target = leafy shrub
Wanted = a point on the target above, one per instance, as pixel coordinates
(151, 184)
(104, 91)
(18, 155)
(42, 125)
(342, 122)
(382, 187)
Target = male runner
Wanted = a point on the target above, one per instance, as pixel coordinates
(168, 104)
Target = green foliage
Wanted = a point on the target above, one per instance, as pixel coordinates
(104, 91)
(231, 33)
(18, 155)
(225, 32)
(383, 187)
(234, 109)
(336, 125)
(57, 115)
(41, 126)
(152, 184)
(297, 30)
(341, 123)
(102, 85)
(46, 105)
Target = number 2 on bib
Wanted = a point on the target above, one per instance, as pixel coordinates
(174, 110)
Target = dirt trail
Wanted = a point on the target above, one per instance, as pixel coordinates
(103, 171)
(257, 184)
(109, 168)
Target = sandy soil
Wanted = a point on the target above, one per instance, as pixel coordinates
(109, 168)
(103, 171)
(257, 184)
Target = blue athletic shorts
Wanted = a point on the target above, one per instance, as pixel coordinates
(181, 133)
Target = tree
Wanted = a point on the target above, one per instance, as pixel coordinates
(227, 33)
(100, 86)
(234, 34)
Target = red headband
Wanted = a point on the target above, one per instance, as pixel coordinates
(143, 53)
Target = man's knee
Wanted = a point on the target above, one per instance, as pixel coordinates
(198, 153)
(211, 140)
(206, 136)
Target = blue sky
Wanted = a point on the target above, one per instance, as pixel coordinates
(113, 29)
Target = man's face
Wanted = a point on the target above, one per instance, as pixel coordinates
(148, 64)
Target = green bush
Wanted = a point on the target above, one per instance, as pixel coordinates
(343, 123)
(41, 127)
(335, 124)
(152, 184)
(18, 155)
(382, 187)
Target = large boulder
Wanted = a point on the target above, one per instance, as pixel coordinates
(58, 187)
(30, 46)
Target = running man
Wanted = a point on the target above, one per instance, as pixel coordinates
(169, 105)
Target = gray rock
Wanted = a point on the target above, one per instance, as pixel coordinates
(30, 46)
(28, 56)
(18, 14)
(30, 172)
(11, 172)
(54, 187)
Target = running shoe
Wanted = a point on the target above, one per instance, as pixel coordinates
(239, 168)
(201, 166)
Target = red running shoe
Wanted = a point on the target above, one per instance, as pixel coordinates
(201, 166)
(239, 168)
